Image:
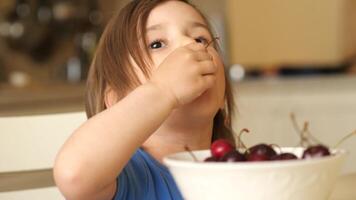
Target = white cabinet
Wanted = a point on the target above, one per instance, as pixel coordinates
(28, 146)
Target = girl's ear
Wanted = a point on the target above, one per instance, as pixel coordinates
(110, 97)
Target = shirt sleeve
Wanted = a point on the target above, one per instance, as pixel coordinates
(132, 181)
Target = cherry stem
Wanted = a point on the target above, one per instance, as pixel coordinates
(239, 141)
(302, 133)
(305, 135)
(295, 124)
(213, 40)
(297, 129)
(312, 137)
(191, 153)
(345, 138)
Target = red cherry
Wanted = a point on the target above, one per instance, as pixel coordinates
(233, 156)
(220, 147)
(285, 156)
(211, 159)
(316, 151)
(260, 152)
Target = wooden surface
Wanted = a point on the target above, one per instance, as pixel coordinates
(43, 99)
(272, 32)
(25, 180)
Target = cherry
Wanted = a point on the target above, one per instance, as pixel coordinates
(211, 159)
(220, 147)
(285, 156)
(233, 156)
(223, 151)
(316, 151)
(260, 152)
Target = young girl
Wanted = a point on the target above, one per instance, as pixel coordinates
(155, 85)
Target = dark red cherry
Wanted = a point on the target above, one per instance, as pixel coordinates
(220, 147)
(233, 156)
(316, 151)
(260, 152)
(285, 156)
(211, 159)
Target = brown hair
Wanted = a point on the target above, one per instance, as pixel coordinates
(112, 67)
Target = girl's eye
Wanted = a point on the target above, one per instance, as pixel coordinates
(156, 44)
(201, 40)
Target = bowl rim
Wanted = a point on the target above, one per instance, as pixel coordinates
(171, 161)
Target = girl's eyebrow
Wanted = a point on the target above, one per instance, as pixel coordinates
(198, 24)
(154, 27)
(192, 24)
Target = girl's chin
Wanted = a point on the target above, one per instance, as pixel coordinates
(201, 107)
(192, 114)
(205, 106)
(205, 99)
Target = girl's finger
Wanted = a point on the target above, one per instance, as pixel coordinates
(208, 81)
(195, 46)
(207, 67)
(202, 56)
(217, 58)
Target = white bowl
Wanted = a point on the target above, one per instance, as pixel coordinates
(311, 179)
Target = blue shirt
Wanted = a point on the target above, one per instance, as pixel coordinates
(144, 178)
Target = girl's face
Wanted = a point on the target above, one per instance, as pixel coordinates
(174, 24)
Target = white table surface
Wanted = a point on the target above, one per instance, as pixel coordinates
(345, 189)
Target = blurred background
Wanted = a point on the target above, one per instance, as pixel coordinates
(46, 45)
(45, 50)
(282, 56)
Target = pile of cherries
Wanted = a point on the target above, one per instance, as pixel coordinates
(223, 151)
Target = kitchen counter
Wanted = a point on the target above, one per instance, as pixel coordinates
(59, 98)
(299, 85)
(44, 99)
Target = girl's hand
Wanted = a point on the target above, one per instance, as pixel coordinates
(186, 73)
